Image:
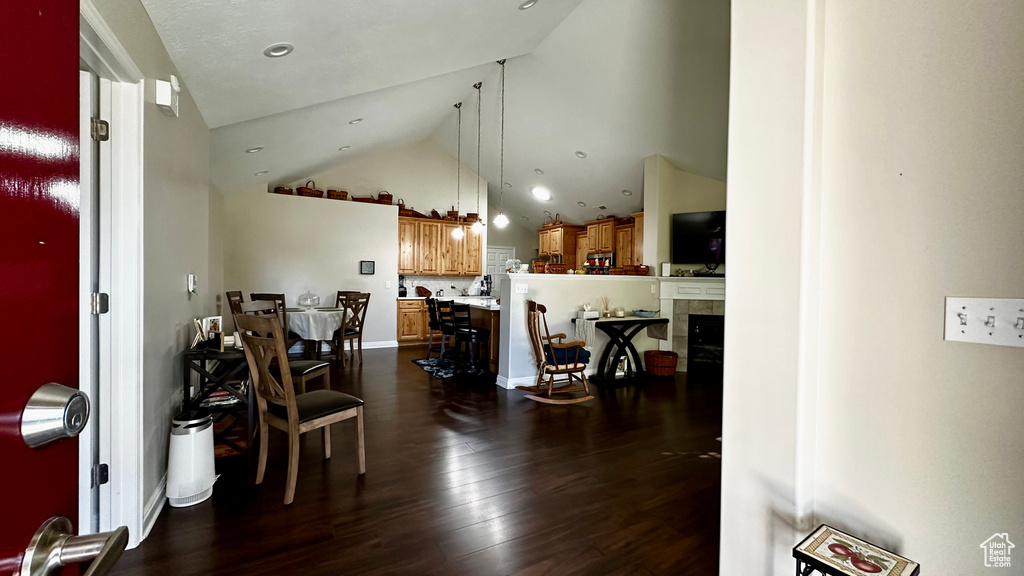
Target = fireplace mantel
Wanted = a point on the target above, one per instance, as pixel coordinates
(692, 288)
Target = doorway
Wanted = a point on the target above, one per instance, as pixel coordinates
(496, 258)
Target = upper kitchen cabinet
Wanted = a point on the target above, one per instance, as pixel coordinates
(427, 248)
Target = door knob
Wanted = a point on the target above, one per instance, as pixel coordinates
(53, 547)
(52, 413)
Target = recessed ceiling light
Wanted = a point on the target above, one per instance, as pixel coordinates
(538, 170)
(525, 218)
(582, 203)
(254, 150)
(262, 172)
(355, 121)
(541, 193)
(627, 193)
(527, 5)
(548, 212)
(581, 154)
(508, 184)
(343, 148)
(278, 50)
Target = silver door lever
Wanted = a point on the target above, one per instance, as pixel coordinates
(53, 547)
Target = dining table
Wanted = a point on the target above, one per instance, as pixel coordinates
(315, 324)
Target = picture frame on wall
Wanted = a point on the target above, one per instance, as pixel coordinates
(366, 266)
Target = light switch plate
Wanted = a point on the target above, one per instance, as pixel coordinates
(998, 321)
(522, 288)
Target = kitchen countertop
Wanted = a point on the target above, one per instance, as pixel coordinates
(479, 302)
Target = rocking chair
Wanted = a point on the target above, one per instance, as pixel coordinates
(555, 359)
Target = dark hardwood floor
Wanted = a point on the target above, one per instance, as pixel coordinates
(468, 478)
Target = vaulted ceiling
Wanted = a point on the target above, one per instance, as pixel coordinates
(616, 79)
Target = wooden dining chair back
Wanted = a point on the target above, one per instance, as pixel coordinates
(469, 340)
(302, 371)
(234, 300)
(282, 312)
(565, 361)
(339, 301)
(281, 407)
(354, 305)
(446, 321)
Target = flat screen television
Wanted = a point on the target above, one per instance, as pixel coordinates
(698, 238)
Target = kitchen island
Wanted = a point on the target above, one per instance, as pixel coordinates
(414, 326)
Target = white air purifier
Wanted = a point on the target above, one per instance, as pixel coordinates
(190, 473)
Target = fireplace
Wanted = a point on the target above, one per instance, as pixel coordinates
(705, 346)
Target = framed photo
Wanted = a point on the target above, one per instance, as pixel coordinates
(366, 266)
(200, 335)
(212, 324)
(216, 340)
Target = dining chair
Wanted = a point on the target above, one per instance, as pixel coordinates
(282, 306)
(234, 300)
(339, 301)
(561, 359)
(354, 305)
(302, 371)
(469, 339)
(280, 406)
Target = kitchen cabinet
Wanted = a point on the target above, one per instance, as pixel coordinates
(638, 239)
(581, 249)
(413, 322)
(559, 244)
(427, 248)
(407, 241)
(624, 245)
(601, 236)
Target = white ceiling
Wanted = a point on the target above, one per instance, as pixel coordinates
(618, 79)
(342, 47)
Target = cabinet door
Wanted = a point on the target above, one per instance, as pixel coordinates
(407, 262)
(624, 246)
(555, 241)
(581, 250)
(638, 239)
(428, 249)
(472, 257)
(544, 243)
(410, 322)
(451, 250)
(424, 322)
(594, 237)
(607, 240)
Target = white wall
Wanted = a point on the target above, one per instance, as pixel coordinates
(923, 136)
(291, 244)
(563, 295)
(421, 173)
(883, 143)
(670, 190)
(176, 233)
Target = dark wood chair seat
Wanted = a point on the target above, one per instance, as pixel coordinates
(317, 404)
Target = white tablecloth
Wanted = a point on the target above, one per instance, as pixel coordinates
(315, 324)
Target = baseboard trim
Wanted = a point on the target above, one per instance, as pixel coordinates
(154, 505)
(380, 344)
(510, 383)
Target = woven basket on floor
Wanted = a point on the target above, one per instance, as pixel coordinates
(661, 362)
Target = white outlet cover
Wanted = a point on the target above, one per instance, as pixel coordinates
(1006, 315)
(522, 288)
(387, 283)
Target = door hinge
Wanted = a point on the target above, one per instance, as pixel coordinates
(100, 475)
(100, 129)
(100, 303)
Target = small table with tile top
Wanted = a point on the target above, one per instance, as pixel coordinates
(835, 553)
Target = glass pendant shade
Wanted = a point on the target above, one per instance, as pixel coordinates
(457, 233)
(477, 227)
(501, 220)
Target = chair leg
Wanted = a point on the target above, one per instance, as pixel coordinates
(360, 347)
(360, 451)
(551, 384)
(586, 385)
(300, 383)
(327, 379)
(293, 464)
(430, 343)
(261, 467)
(327, 442)
(341, 351)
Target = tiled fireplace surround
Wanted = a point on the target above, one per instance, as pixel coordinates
(681, 297)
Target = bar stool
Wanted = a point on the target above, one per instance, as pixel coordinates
(468, 338)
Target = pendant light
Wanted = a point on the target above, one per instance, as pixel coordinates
(457, 232)
(478, 226)
(501, 220)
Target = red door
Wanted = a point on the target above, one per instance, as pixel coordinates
(39, 211)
